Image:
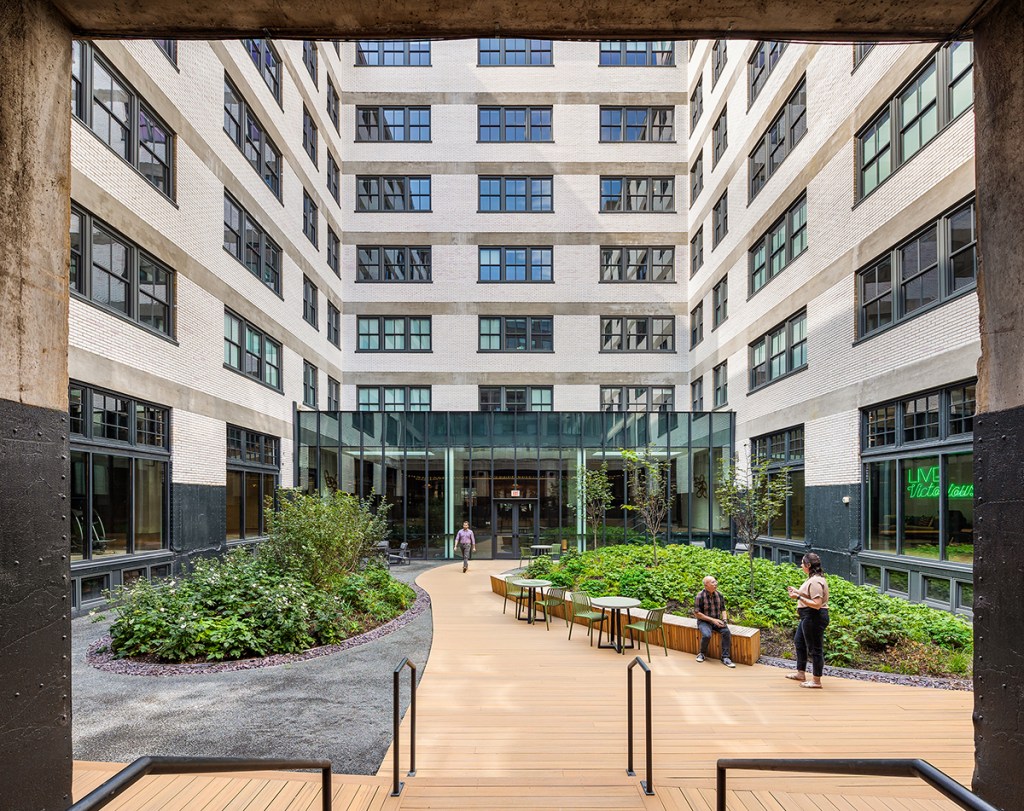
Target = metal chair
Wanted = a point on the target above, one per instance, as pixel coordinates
(582, 608)
(655, 622)
(401, 556)
(514, 593)
(553, 599)
(525, 553)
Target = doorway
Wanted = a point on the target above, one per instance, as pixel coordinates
(515, 527)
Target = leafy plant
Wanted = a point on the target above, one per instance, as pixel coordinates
(595, 495)
(647, 491)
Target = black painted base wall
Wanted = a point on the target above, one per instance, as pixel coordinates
(35, 629)
(198, 520)
(833, 528)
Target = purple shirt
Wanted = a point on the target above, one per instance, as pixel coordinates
(466, 536)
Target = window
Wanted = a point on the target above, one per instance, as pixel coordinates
(633, 124)
(393, 398)
(253, 470)
(114, 273)
(785, 449)
(499, 51)
(932, 98)
(718, 60)
(516, 398)
(720, 302)
(860, 50)
(637, 398)
(638, 54)
(779, 352)
(393, 333)
(392, 53)
(513, 124)
(783, 134)
(333, 178)
(392, 193)
(697, 251)
(267, 62)
(245, 240)
(333, 324)
(309, 374)
(333, 251)
(655, 194)
(721, 379)
(697, 394)
(250, 351)
(514, 193)
(624, 263)
(169, 47)
(931, 267)
(310, 219)
(696, 325)
(697, 177)
(720, 219)
(121, 118)
(393, 264)
(309, 302)
(309, 135)
(517, 333)
(762, 62)
(333, 105)
(377, 124)
(720, 137)
(251, 138)
(696, 104)
(784, 241)
(120, 487)
(515, 264)
(944, 414)
(333, 394)
(309, 58)
(638, 334)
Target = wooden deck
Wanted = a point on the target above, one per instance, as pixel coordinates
(514, 716)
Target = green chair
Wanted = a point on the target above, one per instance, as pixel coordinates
(655, 622)
(582, 608)
(553, 599)
(514, 593)
(525, 554)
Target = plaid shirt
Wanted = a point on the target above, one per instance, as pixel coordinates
(711, 605)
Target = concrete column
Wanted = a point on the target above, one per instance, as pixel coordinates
(35, 626)
(999, 427)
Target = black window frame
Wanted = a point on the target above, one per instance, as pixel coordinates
(893, 421)
(720, 219)
(697, 177)
(696, 104)
(624, 127)
(267, 61)
(503, 194)
(625, 51)
(860, 52)
(364, 252)
(310, 303)
(333, 394)
(310, 384)
(531, 48)
(333, 178)
(247, 328)
(382, 397)
(380, 195)
(624, 197)
(720, 379)
(762, 62)
(697, 394)
(503, 126)
(794, 122)
(379, 131)
(625, 399)
(268, 449)
(333, 251)
(793, 351)
(697, 325)
(720, 303)
(169, 48)
(268, 272)
(646, 269)
(311, 59)
(381, 332)
(310, 135)
(530, 263)
(310, 219)
(382, 49)
(719, 59)
(529, 335)
(625, 337)
(696, 251)
(792, 229)
(271, 172)
(333, 105)
(333, 324)
(502, 402)
(782, 449)
(720, 136)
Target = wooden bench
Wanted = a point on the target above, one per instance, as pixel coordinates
(682, 633)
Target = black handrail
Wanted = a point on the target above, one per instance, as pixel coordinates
(647, 784)
(397, 786)
(135, 771)
(874, 767)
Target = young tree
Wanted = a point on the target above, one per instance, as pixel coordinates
(647, 490)
(752, 499)
(595, 495)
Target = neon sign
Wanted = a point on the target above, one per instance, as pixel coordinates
(924, 483)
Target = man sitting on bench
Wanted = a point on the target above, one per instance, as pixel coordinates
(709, 608)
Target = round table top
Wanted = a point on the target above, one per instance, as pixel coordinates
(542, 546)
(614, 602)
(532, 584)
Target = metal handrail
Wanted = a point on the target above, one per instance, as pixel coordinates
(874, 767)
(397, 786)
(135, 771)
(648, 784)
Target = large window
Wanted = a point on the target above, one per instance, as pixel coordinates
(309, 302)
(310, 59)
(393, 333)
(120, 117)
(637, 398)
(697, 251)
(696, 104)
(333, 324)
(410, 124)
(720, 377)
(519, 52)
(697, 324)
(120, 449)
(111, 271)
(932, 98)
(310, 136)
(934, 265)
(249, 135)
(245, 240)
(393, 263)
(783, 134)
(309, 384)
(250, 351)
(253, 468)
(333, 178)
(515, 193)
(513, 124)
(516, 398)
(310, 219)
(333, 105)
(659, 53)
(392, 193)
(648, 263)
(333, 251)
(517, 333)
(635, 124)
(697, 177)
(655, 194)
(719, 56)
(268, 63)
(720, 137)
(720, 219)
(333, 394)
(762, 62)
(785, 449)
(779, 352)
(783, 242)
(392, 52)
(638, 334)
(516, 264)
(720, 302)
(697, 394)
(393, 398)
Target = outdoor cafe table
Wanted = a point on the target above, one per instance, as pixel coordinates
(539, 549)
(532, 586)
(615, 605)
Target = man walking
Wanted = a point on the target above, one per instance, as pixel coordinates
(466, 541)
(710, 612)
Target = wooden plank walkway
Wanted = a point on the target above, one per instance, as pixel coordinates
(514, 716)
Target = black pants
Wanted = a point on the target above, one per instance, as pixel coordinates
(810, 639)
(706, 629)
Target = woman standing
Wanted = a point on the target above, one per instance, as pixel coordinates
(812, 606)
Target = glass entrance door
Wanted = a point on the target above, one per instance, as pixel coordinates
(515, 527)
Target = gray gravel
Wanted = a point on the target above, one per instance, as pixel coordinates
(880, 678)
(336, 707)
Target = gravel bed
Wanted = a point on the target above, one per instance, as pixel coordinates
(881, 678)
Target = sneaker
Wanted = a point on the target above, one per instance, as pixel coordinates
(728, 662)
(700, 657)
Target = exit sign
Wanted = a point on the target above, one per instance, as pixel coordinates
(515, 493)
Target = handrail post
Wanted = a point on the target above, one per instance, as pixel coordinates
(720, 787)
(396, 784)
(648, 784)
